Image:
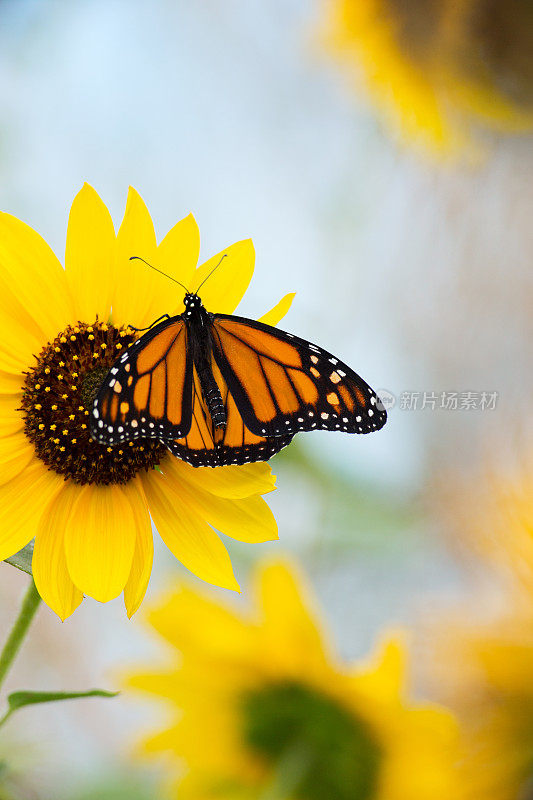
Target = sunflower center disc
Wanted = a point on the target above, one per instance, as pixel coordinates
(321, 749)
(57, 393)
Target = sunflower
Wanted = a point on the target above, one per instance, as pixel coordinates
(490, 515)
(482, 655)
(435, 70)
(482, 668)
(498, 716)
(262, 707)
(88, 506)
(484, 674)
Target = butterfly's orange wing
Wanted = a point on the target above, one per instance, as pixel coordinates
(282, 384)
(208, 446)
(272, 385)
(148, 392)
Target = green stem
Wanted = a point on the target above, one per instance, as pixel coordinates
(3, 720)
(30, 604)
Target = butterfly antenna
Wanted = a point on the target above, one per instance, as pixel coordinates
(208, 276)
(138, 258)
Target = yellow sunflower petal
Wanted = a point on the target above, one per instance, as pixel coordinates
(232, 482)
(228, 761)
(248, 520)
(487, 102)
(383, 674)
(16, 452)
(11, 363)
(186, 534)
(160, 742)
(279, 589)
(89, 255)
(277, 313)
(49, 564)
(23, 500)
(20, 339)
(162, 684)
(143, 555)
(138, 288)
(11, 420)
(290, 628)
(365, 37)
(100, 540)
(20, 335)
(184, 615)
(10, 383)
(177, 254)
(33, 278)
(224, 290)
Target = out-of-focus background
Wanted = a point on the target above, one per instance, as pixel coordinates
(411, 262)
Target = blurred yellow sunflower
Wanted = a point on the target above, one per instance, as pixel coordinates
(490, 515)
(261, 707)
(485, 671)
(88, 506)
(436, 70)
(482, 660)
(498, 715)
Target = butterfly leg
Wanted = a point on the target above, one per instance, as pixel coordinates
(159, 319)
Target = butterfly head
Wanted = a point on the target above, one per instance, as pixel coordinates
(192, 303)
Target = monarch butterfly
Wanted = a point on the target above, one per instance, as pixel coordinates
(219, 389)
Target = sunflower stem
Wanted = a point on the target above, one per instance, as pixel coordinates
(29, 607)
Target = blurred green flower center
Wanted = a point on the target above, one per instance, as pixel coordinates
(321, 750)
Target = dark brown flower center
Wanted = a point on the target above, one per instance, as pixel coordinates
(57, 395)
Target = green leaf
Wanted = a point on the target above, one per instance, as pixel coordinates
(22, 559)
(20, 699)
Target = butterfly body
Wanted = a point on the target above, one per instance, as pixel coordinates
(198, 322)
(220, 389)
